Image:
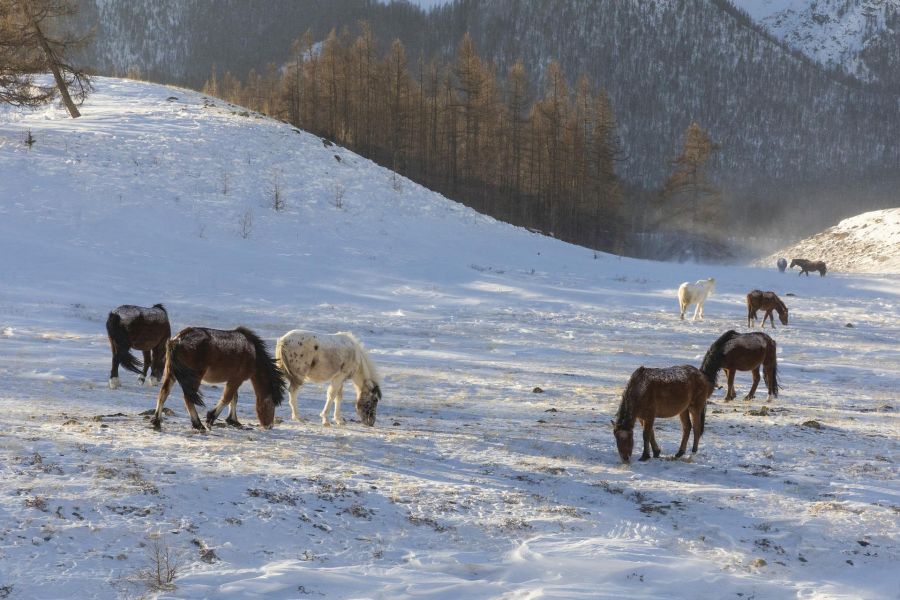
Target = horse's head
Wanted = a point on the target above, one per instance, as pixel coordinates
(367, 401)
(794, 262)
(783, 315)
(624, 441)
(265, 412)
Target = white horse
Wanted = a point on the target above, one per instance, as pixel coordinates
(695, 293)
(309, 356)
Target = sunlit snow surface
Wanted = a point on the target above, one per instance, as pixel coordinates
(470, 485)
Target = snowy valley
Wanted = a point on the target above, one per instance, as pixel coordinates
(491, 471)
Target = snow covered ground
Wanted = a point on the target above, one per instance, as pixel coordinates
(470, 484)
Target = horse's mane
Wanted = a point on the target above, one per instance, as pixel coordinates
(712, 362)
(365, 363)
(625, 414)
(266, 365)
(160, 307)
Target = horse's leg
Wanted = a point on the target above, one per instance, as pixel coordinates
(232, 410)
(653, 444)
(697, 420)
(143, 376)
(329, 398)
(683, 306)
(685, 432)
(114, 371)
(752, 393)
(730, 394)
(229, 391)
(338, 397)
(648, 433)
(167, 382)
(293, 390)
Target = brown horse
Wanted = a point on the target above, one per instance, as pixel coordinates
(675, 391)
(231, 357)
(145, 329)
(809, 265)
(746, 352)
(767, 301)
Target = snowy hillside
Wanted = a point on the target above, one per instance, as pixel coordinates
(471, 484)
(833, 32)
(866, 243)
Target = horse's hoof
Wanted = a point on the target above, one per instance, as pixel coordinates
(114, 383)
(341, 422)
(644, 458)
(156, 424)
(325, 423)
(234, 423)
(141, 379)
(679, 454)
(153, 381)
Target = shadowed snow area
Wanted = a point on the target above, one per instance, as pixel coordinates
(470, 485)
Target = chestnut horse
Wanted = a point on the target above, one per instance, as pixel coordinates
(309, 356)
(746, 352)
(767, 301)
(663, 393)
(215, 356)
(145, 329)
(809, 265)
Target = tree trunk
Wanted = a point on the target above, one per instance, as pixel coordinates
(54, 64)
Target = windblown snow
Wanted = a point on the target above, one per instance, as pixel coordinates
(471, 484)
(866, 243)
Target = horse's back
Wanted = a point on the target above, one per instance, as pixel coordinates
(318, 357)
(668, 391)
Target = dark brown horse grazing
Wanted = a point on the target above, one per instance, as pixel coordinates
(663, 393)
(145, 329)
(231, 357)
(746, 352)
(767, 301)
(809, 265)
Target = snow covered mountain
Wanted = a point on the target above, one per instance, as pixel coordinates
(860, 37)
(473, 483)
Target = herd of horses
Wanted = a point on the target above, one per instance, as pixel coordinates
(200, 354)
(683, 391)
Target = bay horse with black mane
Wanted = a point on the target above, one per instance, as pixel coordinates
(746, 352)
(145, 329)
(809, 265)
(663, 393)
(767, 301)
(198, 354)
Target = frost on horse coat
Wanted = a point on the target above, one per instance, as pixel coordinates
(695, 293)
(310, 356)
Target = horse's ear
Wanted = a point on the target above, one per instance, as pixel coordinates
(613, 423)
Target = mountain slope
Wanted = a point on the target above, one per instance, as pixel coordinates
(471, 483)
(852, 35)
(866, 243)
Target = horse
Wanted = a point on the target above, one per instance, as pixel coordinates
(663, 393)
(145, 329)
(809, 265)
(309, 356)
(782, 264)
(198, 354)
(695, 293)
(746, 352)
(768, 301)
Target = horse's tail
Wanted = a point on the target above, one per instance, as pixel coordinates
(283, 364)
(772, 358)
(266, 366)
(712, 362)
(749, 308)
(121, 345)
(682, 296)
(187, 378)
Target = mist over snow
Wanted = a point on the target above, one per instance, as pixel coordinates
(471, 484)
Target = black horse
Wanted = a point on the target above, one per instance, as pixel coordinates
(782, 264)
(145, 329)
